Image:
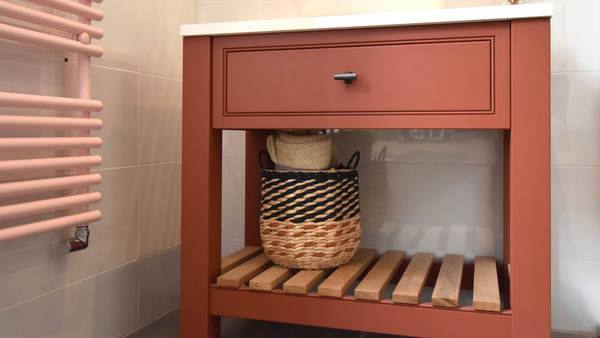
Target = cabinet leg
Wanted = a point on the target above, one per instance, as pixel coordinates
(200, 195)
(530, 179)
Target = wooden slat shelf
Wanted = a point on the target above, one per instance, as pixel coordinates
(258, 273)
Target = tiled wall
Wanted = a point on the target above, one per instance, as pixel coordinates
(412, 176)
(129, 275)
(576, 165)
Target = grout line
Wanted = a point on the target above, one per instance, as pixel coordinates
(574, 260)
(574, 166)
(159, 163)
(137, 301)
(160, 251)
(137, 324)
(136, 165)
(499, 164)
(574, 72)
(112, 68)
(133, 72)
(113, 168)
(161, 77)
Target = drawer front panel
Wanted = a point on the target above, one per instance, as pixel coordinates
(428, 77)
(448, 77)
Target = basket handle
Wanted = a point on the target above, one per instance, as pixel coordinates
(381, 157)
(260, 153)
(355, 155)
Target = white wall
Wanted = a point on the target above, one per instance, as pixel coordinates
(575, 163)
(129, 275)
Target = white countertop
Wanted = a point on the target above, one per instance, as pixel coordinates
(424, 17)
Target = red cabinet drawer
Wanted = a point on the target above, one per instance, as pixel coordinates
(411, 72)
(436, 77)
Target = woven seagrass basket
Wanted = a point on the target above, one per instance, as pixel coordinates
(310, 219)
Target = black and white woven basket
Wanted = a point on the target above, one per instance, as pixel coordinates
(310, 219)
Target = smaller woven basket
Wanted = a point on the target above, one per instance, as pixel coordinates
(310, 219)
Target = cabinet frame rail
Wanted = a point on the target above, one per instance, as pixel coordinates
(351, 314)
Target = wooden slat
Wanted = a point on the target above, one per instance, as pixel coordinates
(303, 281)
(243, 273)
(447, 286)
(486, 293)
(411, 285)
(343, 277)
(239, 257)
(272, 277)
(373, 285)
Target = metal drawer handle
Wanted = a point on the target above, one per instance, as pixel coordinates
(347, 77)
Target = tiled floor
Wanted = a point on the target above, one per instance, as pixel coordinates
(168, 327)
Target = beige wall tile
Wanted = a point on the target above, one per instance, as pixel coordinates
(25, 73)
(229, 246)
(575, 213)
(31, 74)
(160, 207)
(234, 162)
(232, 216)
(159, 120)
(575, 118)
(118, 92)
(113, 239)
(122, 31)
(234, 145)
(575, 29)
(113, 242)
(575, 295)
(161, 46)
(26, 48)
(241, 11)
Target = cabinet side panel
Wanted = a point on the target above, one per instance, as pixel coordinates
(201, 193)
(530, 178)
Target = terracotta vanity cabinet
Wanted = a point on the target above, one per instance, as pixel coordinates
(492, 75)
